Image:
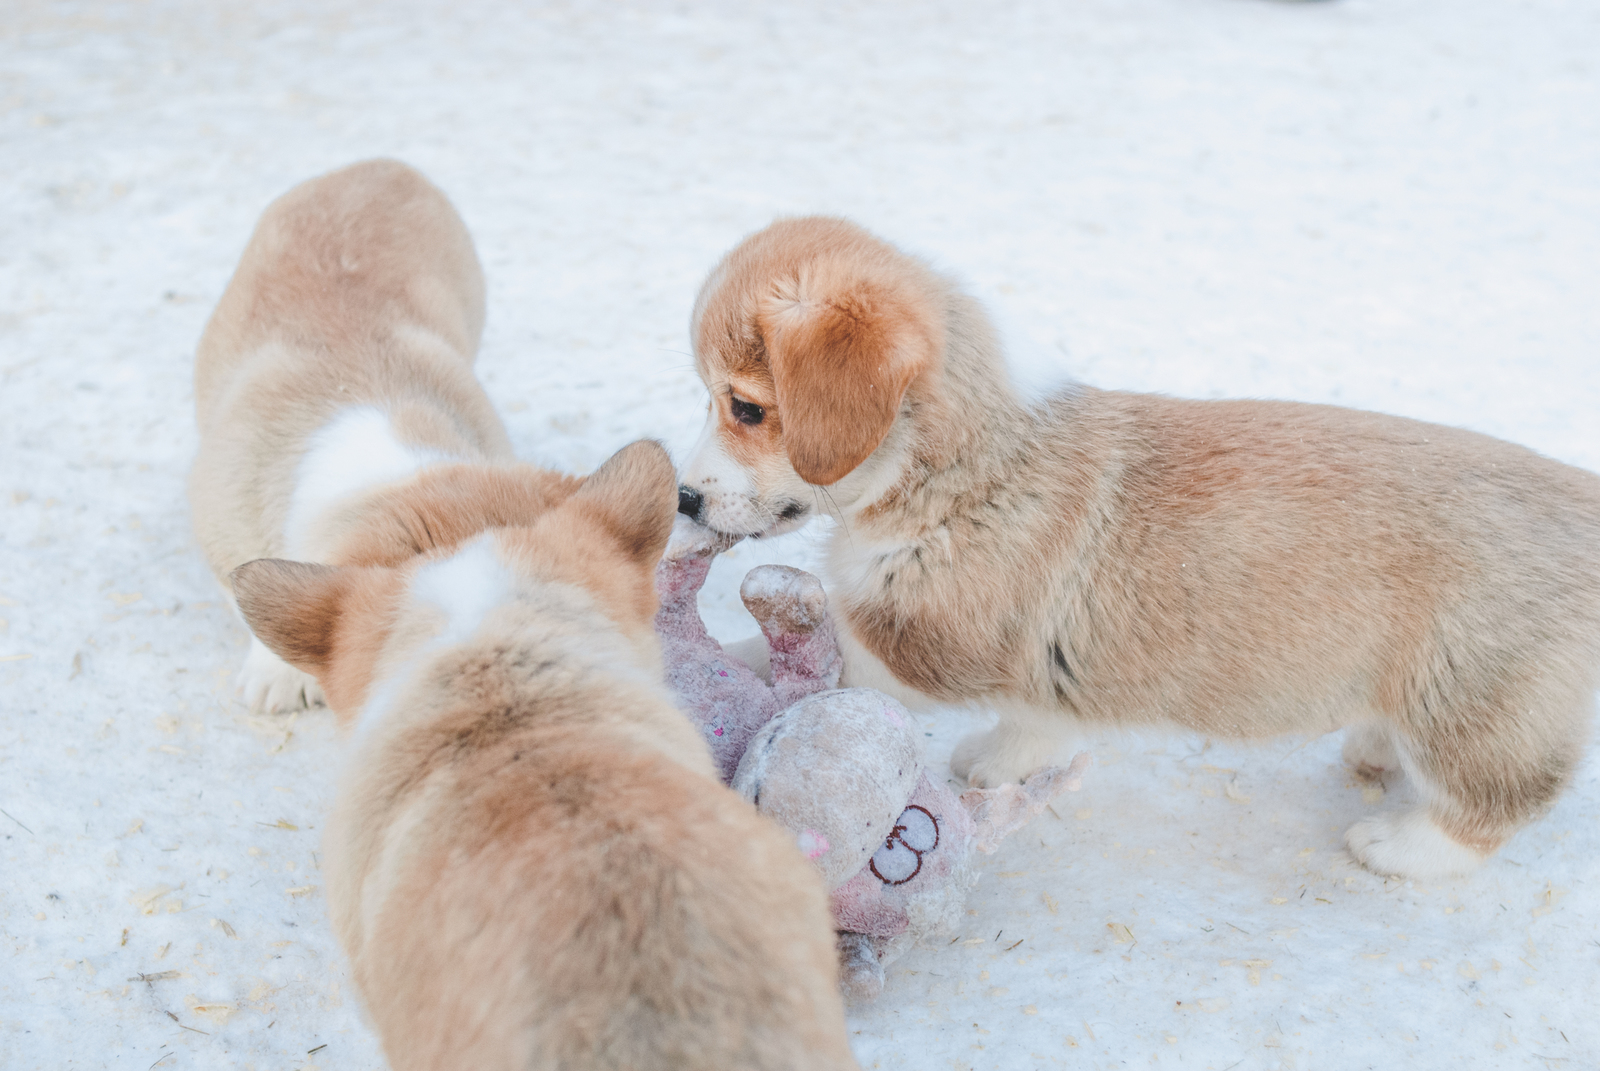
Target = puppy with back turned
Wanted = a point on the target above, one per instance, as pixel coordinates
(1236, 568)
(530, 863)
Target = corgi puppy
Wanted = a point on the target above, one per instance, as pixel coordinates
(1235, 568)
(339, 416)
(530, 862)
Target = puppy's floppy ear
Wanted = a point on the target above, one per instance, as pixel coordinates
(841, 362)
(293, 608)
(634, 496)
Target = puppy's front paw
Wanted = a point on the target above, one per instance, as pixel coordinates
(997, 757)
(270, 685)
(1409, 844)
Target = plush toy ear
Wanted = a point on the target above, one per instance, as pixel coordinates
(634, 496)
(293, 608)
(841, 363)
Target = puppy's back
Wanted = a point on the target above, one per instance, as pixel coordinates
(335, 263)
(576, 905)
(1348, 548)
(359, 291)
(1400, 517)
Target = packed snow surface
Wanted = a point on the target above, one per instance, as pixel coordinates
(1379, 204)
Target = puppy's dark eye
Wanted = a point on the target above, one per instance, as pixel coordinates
(747, 412)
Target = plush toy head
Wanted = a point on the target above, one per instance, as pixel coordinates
(842, 768)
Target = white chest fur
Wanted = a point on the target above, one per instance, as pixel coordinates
(353, 453)
(853, 565)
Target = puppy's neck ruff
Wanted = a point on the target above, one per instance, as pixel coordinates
(963, 433)
(482, 602)
(467, 586)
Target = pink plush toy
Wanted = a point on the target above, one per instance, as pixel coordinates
(842, 768)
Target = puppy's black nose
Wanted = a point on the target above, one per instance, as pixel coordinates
(690, 502)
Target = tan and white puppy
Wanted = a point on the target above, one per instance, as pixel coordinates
(530, 861)
(335, 395)
(1236, 568)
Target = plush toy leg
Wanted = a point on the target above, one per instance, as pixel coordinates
(860, 970)
(792, 611)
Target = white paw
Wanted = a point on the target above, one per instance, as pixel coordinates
(271, 685)
(1369, 750)
(754, 653)
(999, 756)
(1409, 844)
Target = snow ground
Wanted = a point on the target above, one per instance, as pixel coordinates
(1389, 205)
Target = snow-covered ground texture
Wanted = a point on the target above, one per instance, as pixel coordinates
(1386, 204)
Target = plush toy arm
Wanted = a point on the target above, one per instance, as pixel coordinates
(726, 699)
(999, 812)
(680, 575)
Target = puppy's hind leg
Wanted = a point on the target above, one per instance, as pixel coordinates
(1484, 772)
(1411, 844)
(271, 685)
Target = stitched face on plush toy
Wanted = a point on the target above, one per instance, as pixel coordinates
(900, 859)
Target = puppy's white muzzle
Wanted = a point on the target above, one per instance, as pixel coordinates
(719, 492)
